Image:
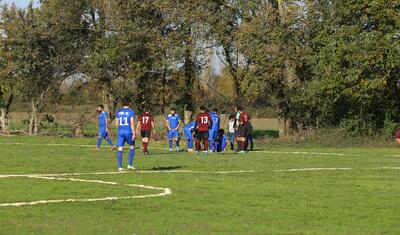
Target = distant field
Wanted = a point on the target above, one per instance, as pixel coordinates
(275, 190)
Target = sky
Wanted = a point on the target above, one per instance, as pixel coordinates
(19, 3)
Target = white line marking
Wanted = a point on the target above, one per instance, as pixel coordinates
(257, 151)
(314, 169)
(165, 191)
(308, 153)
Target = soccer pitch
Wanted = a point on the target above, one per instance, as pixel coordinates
(274, 190)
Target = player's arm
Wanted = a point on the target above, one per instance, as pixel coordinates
(107, 125)
(167, 124)
(179, 124)
(133, 128)
(211, 121)
(153, 126)
(138, 127)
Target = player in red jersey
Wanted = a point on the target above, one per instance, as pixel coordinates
(203, 125)
(244, 129)
(145, 126)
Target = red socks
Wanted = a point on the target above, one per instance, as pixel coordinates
(145, 145)
(198, 145)
(206, 143)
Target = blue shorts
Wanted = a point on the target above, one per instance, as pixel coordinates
(213, 134)
(103, 133)
(125, 137)
(173, 135)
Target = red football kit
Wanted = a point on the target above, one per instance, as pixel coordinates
(244, 118)
(145, 122)
(204, 122)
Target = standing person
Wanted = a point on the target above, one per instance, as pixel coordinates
(189, 130)
(145, 126)
(173, 123)
(244, 128)
(213, 133)
(203, 124)
(249, 139)
(104, 127)
(125, 122)
(231, 131)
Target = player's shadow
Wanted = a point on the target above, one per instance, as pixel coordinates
(167, 168)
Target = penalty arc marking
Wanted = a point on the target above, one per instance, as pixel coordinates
(60, 177)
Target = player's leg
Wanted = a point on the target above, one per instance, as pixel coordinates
(211, 139)
(99, 139)
(131, 155)
(176, 138)
(189, 141)
(107, 138)
(120, 146)
(242, 138)
(170, 137)
(145, 140)
(198, 143)
(206, 141)
(232, 139)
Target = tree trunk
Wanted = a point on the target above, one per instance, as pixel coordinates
(187, 116)
(3, 120)
(33, 121)
(107, 100)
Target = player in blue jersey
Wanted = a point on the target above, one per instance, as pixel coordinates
(125, 122)
(221, 142)
(173, 123)
(189, 130)
(213, 132)
(103, 127)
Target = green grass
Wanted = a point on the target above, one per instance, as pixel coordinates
(357, 201)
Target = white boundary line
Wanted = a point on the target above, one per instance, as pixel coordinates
(256, 151)
(165, 191)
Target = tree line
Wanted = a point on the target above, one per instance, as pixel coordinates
(320, 63)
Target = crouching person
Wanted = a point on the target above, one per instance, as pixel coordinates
(221, 142)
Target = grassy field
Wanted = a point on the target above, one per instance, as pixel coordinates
(274, 190)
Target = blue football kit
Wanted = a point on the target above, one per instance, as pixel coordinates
(125, 134)
(103, 129)
(188, 130)
(213, 132)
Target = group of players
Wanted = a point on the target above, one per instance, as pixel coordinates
(203, 133)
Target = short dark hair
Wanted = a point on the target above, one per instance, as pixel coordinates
(173, 109)
(203, 108)
(215, 110)
(126, 102)
(221, 131)
(231, 116)
(101, 106)
(239, 108)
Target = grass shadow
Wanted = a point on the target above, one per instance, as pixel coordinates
(265, 133)
(167, 168)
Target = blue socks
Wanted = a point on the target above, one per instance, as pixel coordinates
(177, 143)
(131, 156)
(170, 144)
(190, 144)
(99, 142)
(109, 141)
(120, 159)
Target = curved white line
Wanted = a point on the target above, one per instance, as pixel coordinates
(165, 191)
